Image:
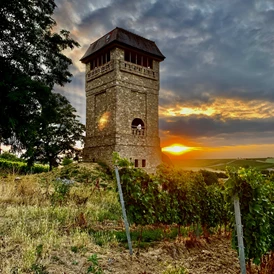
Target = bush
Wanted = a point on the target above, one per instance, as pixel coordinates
(210, 177)
(11, 157)
(66, 161)
(21, 167)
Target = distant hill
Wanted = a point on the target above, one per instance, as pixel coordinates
(221, 164)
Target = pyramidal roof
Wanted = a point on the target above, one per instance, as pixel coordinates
(124, 38)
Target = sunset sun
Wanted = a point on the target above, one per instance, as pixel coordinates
(177, 149)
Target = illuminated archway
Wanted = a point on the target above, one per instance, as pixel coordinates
(138, 127)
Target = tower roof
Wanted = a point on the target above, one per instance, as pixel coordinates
(122, 37)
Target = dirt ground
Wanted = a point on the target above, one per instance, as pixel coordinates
(203, 257)
(215, 256)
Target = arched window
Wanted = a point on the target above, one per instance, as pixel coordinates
(138, 127)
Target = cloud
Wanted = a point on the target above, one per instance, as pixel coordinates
(219, 62)
(199, 126)
(221, 108)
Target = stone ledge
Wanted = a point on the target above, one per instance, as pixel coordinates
(139, 70)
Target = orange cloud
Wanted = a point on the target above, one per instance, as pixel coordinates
(227, 108)
(227, 152)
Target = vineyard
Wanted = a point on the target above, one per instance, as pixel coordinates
(69, 220)
(262, 164)
(185, 198)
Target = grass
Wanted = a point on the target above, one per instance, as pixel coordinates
(199, 162)
(248, 163)
(39, 220)
(270, 160)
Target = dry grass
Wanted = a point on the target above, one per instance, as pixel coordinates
(43, 227)
(20, 190)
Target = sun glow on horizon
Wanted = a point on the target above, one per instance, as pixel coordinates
(178, 149)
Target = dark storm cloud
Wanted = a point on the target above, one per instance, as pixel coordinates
(214, 49)
(224, 48)
(203, 126)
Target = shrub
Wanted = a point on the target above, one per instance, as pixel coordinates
(66, 161)
(210, 177)
(21, 167)
(11, 157)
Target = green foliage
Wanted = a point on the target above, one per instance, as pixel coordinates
(121, 162)
(61, 191)
(39, 250)
(140, 195)
(215, 211)
(66, 161)
(21, 167)
(33, 118)
(75, 249)
(172, 196)
(97, 177)
(102, 238)
(10, 157)
(39, 269)
(175, 270)
(256, 195)
(94, 267)
(57, 131)
(210, 177)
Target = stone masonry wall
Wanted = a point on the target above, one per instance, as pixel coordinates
(114, 99)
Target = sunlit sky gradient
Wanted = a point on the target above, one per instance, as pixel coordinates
(217, 81)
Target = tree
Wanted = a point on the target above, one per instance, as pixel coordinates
(55, 132)
(31, 63)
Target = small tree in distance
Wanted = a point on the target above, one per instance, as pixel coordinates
(56, 132)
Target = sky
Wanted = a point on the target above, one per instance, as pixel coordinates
(216, 83)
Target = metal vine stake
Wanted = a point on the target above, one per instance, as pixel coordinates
(239, 233)
(123, 210)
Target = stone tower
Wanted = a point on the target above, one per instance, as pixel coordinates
(122, 90)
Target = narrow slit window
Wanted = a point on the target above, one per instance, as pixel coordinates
(143, 163)
(136, 163)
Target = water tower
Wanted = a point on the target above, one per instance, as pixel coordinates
(122, 94)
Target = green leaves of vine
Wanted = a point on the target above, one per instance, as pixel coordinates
(256, 195)
(184, 198)
(171, 197)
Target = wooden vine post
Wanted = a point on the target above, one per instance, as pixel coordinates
(123, 210)
(239, 234)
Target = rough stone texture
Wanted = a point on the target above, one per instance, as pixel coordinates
(117, 93)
